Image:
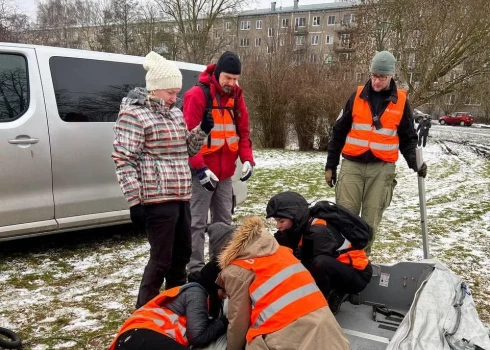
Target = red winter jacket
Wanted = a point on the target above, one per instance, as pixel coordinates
(221, 162)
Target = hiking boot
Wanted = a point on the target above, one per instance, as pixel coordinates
(335, 299)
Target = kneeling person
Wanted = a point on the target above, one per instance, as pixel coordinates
(274, 302)
(337, 268)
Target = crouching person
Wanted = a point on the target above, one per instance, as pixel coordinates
(339, 269)
(177, 318)
(274, 302)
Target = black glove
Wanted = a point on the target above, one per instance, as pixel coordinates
(206, 178)
(224, 319)
(422, 172)
(207, 123)
(138, 217)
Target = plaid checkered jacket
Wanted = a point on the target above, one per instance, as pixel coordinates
(151, 150)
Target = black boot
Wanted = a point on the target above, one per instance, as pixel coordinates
(335, 299)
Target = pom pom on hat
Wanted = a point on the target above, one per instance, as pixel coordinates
(162, 74)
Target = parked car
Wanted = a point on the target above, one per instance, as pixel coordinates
(457, 118)
(418, 115)
(57, 110)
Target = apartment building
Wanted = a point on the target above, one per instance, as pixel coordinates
(314, 32)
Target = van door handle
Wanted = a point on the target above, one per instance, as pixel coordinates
(23, 141)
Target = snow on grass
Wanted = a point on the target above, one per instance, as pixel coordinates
(62, 294)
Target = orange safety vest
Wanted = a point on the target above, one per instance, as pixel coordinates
(157, 318)
(363, 136)
(355, 258)
(224, 130)
(282, 291)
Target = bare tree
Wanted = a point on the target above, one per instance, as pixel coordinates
(13, 23)
(440, 44)
(194, 21)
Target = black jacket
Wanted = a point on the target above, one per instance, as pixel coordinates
(192, 303)
(424, 126)
(378, 102)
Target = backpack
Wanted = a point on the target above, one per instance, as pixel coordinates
(209, 107)
(351, 226)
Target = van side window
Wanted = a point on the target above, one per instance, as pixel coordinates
(14, 87)
(92, 90)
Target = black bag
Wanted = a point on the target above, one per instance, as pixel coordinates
(351, 226)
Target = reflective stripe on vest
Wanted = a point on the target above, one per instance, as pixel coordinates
(224, 130)
(154, 317)
(363, 136)
(355, 258)
(281, 292)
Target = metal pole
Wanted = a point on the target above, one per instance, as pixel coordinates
(423, 208)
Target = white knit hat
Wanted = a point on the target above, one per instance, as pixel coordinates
(162, 74)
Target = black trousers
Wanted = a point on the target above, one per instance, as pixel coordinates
(424, 137)
(329, 274)
(145, 339)
(168, 226)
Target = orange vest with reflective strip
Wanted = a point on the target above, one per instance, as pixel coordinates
(282, 291)
(363, 136)
(224, 130)
(355, 258)
(157, 318)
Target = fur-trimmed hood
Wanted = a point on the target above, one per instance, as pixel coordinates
(251, 240)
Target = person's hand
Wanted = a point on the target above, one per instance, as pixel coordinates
(422, 172)
(206, 178)
(207, 123)
(138, 217)
(331, 177)
(247, 170)
(224, 319)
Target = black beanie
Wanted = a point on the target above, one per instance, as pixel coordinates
(228, 63)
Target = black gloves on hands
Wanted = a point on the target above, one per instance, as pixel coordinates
(138, 217)
(331, 177)
(422, 172)
(207, 123)
(224, 319)
(206, 178)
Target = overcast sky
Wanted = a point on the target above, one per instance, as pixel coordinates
(29, 6)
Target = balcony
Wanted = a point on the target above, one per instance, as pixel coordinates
(300, 30)
(344, 47)
(345, 27)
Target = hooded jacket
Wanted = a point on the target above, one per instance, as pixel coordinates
(221, 162)
(318, 329)
(151, 150)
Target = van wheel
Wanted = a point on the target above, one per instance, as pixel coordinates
(12, 341)
(462, 123)
(442, 122)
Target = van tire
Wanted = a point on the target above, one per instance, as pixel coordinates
(13, 341)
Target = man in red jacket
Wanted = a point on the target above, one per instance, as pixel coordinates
(213, 167)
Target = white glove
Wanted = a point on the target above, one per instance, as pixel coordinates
(247, 170)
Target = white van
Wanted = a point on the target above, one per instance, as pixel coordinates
(57, 110)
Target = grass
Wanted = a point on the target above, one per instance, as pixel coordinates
(71, 292)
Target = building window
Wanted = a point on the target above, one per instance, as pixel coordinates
(270, 48)
(329, 39)
(285, 23)
(314, 40)
(316, 21)
(228, 25)
(281, 41)
(347, 18)
(300, 22)
(270, 32)
(198, 27)
(327, 58)
(258, 41)
(245, 25)
(244, 42)
(313, 58)
(331, 20)
(300, 40)
(258, 24)
(217, 34)
(450, 99)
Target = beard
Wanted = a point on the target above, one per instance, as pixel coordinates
(227, 89)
